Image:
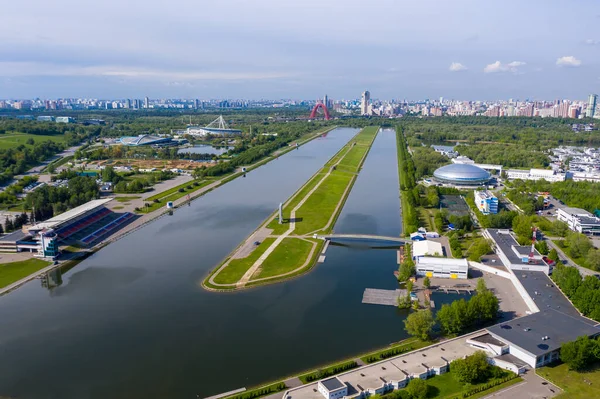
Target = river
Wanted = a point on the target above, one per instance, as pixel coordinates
(132, 321)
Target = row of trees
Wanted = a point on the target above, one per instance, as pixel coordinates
(52, 200)
(462, 314)
(507, 155)
(456, 317)
(409, 193)
(583, 293)
(580, 248)
(580, 194)
(427, 160)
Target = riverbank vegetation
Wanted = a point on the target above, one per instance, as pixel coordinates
(15, 271)
(578, 194)
(408, 191)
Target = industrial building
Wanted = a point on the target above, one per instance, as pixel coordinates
(462, 175)
(442, 267)
(513, 255)
(535, 174)
(486, 166)
(486, 202)
(579, 220)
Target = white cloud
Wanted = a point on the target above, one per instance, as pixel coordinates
(592, 42)
(13, 69)
(457, 66)
(568, 61)
(500, 67)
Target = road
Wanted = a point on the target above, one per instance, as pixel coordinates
(566, 260)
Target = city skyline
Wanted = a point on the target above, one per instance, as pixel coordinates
(266, 49)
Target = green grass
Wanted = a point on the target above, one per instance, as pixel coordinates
(407, 345)
(576, 385)
(173, 194)
(446, 386)
(13, 140)
(327, 371)
(126, 199)
(15, 271)
(234, 271)
(118, 207)
(289, 255)
(320, 206)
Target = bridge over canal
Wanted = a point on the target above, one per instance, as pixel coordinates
(333, 237)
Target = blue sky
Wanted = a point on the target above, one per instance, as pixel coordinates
(464, 49)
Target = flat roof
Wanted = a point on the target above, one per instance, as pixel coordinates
(332, 384)
(544, 292)
(71, 214)
(574, 211)
(505, 241)
(432, 260)
(488, 339)
(527, 332)
(420, 248)
(507, 357)
(15, 236)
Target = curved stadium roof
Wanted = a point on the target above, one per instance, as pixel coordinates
(464, 174)
(144, 139)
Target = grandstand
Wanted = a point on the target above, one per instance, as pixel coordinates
(85, 224)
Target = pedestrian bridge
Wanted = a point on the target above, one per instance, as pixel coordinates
(374, 237)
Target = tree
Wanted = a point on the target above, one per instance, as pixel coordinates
(1, 229)
(593, 259)
(417, 388)
(542, 247)
(407, 268)
(560, 228)
(420, 324)
(426, 282)
(472, 369)
(8, 225)
(522, 227)
(553, 254)
(481, 286)
(579, 354)
(409, 286)
(51, 169)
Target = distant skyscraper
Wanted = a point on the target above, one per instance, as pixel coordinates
(326, 101)
(364, 103)
(196, 103)
(127, 103)
(591, 108)
(146, 102)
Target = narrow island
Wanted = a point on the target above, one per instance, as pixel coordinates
(278, 251)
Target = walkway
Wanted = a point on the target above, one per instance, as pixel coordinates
(566, 259)
(250, 272)
(361, 237)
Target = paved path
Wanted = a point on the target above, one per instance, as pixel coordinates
(566, 260)
(533, 387)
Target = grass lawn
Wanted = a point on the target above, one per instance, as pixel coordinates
(172, 195)
(288, 256)
(575, 384)
(579, 261)
(446, 386)
(15, 271)
(13, 140)
(126, 199)
(317, 210)
(406, 345)
(237, 267)
(118, 207)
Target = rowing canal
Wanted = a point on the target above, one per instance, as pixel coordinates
(133, 322)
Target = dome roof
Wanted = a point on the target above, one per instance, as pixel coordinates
(462, 174)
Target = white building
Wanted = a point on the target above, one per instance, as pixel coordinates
(332, 388)
(535, 174)
(579, 220)
(486, 202)
(442, 267)
(426, 247)
(364, 103)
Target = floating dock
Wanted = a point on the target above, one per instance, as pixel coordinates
(382, 297)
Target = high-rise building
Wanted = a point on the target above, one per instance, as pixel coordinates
(146, 102)
(364, 102)
(591, 108)
(196, 103)
(326, 101)
(127, 103)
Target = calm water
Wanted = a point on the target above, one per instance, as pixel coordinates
(132, 321)
(204, 149)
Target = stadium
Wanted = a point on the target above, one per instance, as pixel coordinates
(462, 175)
(145, 139)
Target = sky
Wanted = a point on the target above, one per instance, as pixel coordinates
(273, 49)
